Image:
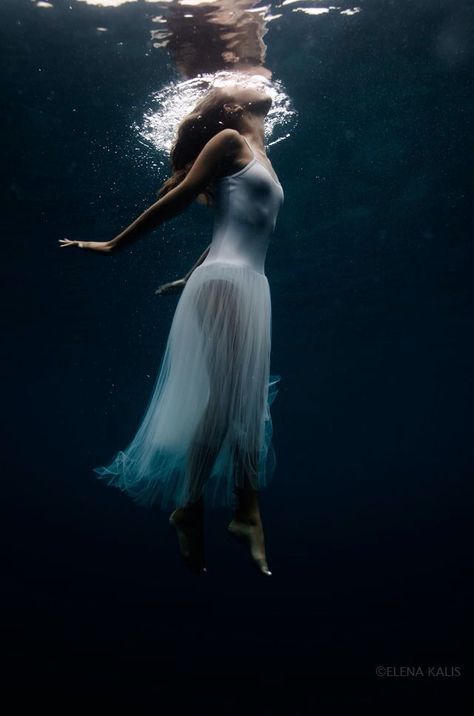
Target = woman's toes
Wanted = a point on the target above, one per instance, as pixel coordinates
(251, 533)
(264, 569)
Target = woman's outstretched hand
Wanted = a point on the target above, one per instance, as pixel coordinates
(172, 286)
(104, 247)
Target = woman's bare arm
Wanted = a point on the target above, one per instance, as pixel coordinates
(207, 164)
(180, 283)
(198, 262)
(213, 158)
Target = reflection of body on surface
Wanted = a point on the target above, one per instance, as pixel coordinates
(226, 35)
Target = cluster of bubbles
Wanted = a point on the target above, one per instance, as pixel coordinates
(175, 100)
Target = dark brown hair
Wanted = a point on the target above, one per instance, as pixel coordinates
(194, 131)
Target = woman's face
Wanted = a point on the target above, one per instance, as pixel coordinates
(256, 100)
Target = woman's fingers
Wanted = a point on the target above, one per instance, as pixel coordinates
(69, 242)
(169, 287)
(103, 247)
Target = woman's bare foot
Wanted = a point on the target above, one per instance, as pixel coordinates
(189, 524)
(249, 530)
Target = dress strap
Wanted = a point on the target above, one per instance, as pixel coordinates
(248, 144)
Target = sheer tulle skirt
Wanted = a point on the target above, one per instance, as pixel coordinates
(207, 426)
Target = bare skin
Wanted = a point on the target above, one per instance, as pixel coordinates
(225, 153)
(189, 524)
(246, 526)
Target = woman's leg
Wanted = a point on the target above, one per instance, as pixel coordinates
(216, 305)
(189, 519)
(218, 315)
(246, 525)
(221, 320)
(204, 450)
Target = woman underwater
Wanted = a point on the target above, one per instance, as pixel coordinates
(206, 433)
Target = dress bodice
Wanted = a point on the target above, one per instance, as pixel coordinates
(246, 206)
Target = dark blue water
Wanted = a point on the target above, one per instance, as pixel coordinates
(371, 274)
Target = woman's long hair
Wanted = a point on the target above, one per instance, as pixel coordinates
(194, 131)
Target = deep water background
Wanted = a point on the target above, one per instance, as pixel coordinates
(371, 276)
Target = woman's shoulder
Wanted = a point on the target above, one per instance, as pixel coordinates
(223, 150)
(227, 138)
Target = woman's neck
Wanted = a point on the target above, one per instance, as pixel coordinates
(253, 130)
